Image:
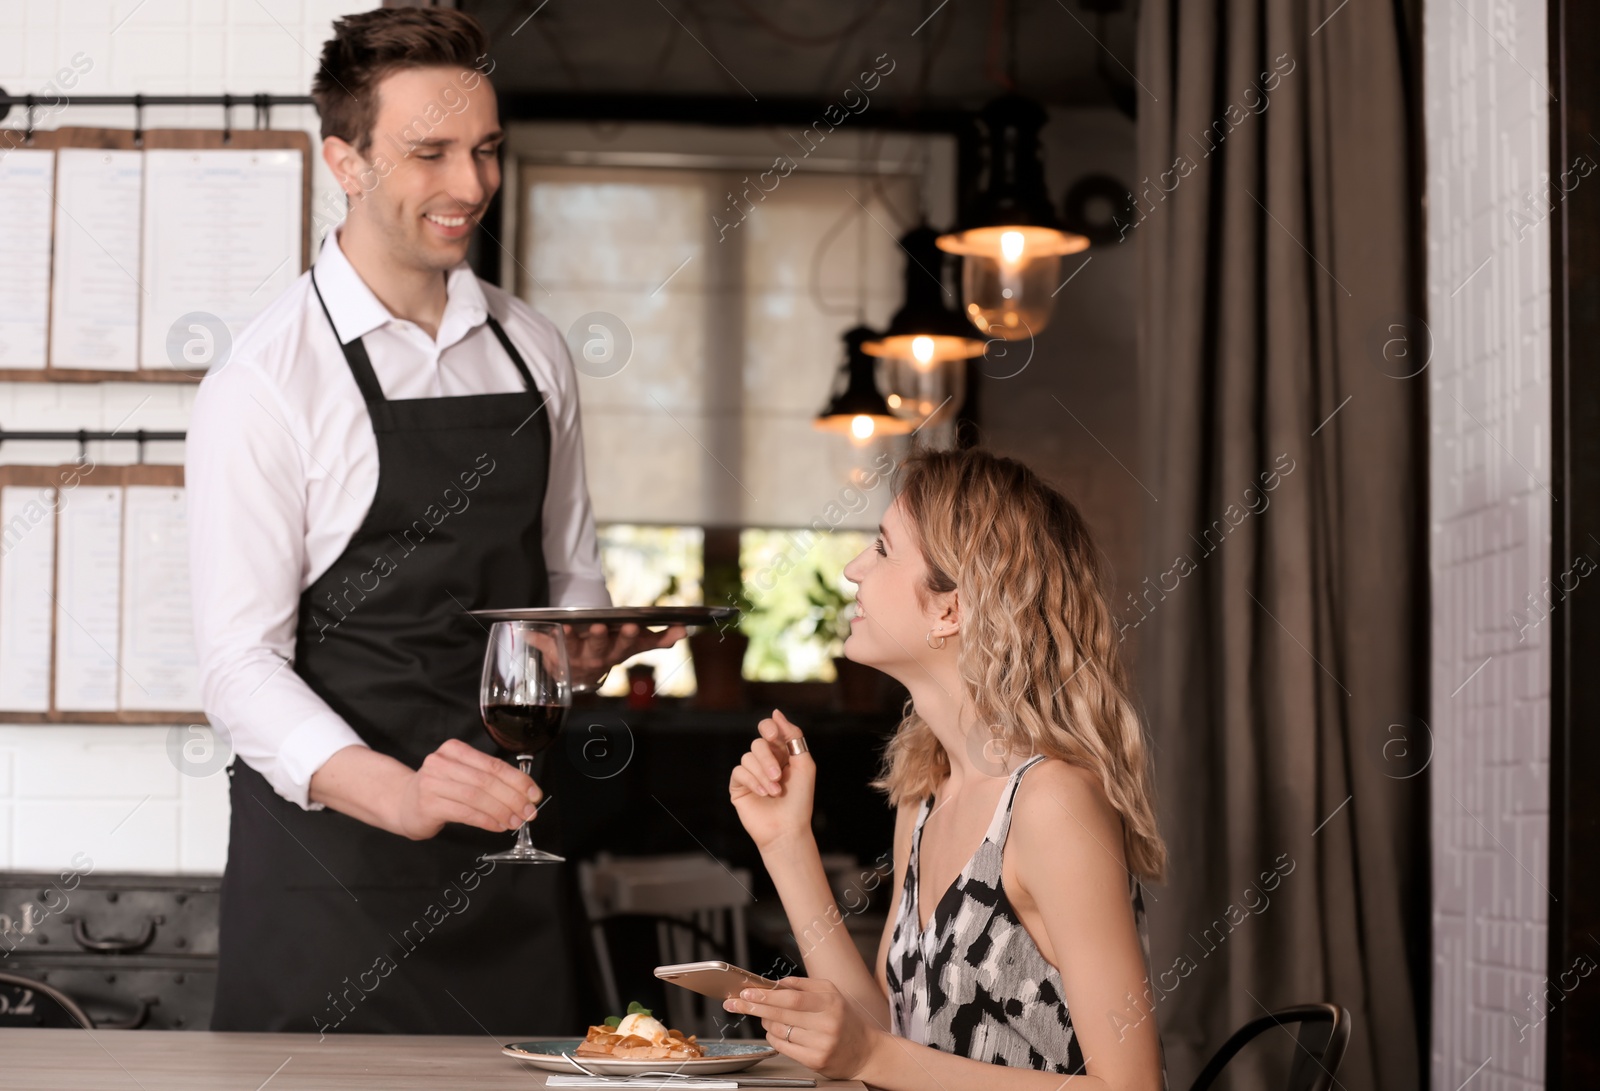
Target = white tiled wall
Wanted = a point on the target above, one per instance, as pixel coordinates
(1489, 399)
(112, 791)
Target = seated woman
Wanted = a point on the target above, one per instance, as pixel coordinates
(1024, 822)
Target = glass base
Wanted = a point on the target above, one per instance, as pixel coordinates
(520, 855)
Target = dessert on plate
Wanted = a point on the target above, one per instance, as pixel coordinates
(639, 1036)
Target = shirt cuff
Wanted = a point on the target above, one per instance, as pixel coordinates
(567, 589)
(304, 752)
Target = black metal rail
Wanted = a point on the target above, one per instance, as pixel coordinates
(87, 436)
(262, 102)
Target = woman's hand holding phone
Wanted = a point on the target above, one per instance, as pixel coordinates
(772, 788)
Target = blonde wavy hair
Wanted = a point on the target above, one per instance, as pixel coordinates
(1039, 651)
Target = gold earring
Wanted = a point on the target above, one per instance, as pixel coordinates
(997, 748)
(931, 644)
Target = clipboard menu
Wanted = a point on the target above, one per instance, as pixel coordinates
(222, 239)
(27, 513)
(88, 598)
(27, 178)
(159, 667)
(94, 312)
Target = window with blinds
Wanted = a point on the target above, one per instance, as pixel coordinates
(728, 310)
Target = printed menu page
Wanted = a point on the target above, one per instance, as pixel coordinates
(222, 233)
(27, 178)
(88, 598)
(159, 667)
(27, 516)
(94, 313)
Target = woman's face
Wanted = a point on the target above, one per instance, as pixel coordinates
(892, 619)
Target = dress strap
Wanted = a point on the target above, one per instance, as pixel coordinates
(916, 837)
(1001, 826)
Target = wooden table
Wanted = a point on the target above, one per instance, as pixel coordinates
(181, 1060)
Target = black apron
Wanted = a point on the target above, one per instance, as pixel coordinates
(329, 924)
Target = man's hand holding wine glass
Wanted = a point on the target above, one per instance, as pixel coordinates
(459, 783)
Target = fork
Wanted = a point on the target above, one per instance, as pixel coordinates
(636, 1076)
(729, 1080)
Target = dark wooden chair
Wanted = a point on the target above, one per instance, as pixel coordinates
(1324, 1032)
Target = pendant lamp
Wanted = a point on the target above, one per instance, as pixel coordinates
(1009, 238)
(924, 329)
(924, 395)
(857, 408)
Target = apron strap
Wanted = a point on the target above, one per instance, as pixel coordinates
(355, 354)
(511, 351)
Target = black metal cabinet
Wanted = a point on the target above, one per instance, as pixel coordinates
(642, 782)
(132, 950)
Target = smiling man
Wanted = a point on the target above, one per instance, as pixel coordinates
(393, 443)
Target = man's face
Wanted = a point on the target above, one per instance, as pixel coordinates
(432, 166)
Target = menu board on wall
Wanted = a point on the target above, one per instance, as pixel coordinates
(27, 177)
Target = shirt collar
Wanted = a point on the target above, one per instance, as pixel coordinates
(356, 312)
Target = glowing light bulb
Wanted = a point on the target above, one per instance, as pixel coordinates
(1011, 244)
(861, 426)
(1009, 276)
(922, 350)
(893, 400)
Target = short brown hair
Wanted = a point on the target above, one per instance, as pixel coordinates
(373, 44)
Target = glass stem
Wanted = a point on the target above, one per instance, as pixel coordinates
(524, 838)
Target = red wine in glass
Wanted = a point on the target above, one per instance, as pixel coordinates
(523, 729)
(524, 696)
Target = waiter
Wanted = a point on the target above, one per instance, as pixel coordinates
(392, 444)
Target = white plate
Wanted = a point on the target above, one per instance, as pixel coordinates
(720, 1057)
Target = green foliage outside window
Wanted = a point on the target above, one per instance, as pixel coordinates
(794, 600)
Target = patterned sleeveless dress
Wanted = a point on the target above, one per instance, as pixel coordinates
(974, 982)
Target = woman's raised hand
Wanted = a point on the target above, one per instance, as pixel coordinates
(771, 788)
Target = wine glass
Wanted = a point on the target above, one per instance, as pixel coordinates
(526, 691)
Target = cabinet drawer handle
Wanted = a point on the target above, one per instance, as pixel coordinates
(133, 1022)
(80, 932)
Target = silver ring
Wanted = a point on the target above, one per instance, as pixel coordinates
(788, 1032)
(797, 746)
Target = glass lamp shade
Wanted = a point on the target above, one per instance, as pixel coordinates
(857, 408)
(925, 328)
(1010, 239)
(1009, 286)
(924, 394)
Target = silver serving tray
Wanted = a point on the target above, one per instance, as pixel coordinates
(614, 615)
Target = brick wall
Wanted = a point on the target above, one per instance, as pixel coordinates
(113, 792)
(1489, 303)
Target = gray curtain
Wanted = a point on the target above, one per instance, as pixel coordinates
(1282, 631)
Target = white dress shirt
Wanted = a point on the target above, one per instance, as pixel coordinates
(282, 464)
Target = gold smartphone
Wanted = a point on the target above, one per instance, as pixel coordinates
(718, 980)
